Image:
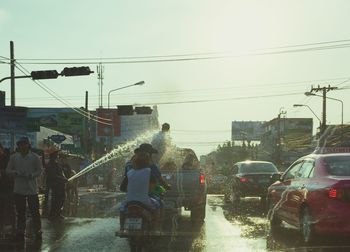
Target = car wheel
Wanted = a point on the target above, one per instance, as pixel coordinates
(226, 197)
(306, 226)
(263, 203)
(275, 221)
(235, 199)
(198, 214)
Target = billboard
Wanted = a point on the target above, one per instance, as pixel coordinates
(246, 130)
(13, 119)
(112, 117)
(62, 119)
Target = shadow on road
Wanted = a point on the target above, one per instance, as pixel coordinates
(286, 238)
(183, 235)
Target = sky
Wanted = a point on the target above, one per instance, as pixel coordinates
(221, 61)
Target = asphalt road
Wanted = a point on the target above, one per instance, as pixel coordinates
(225, 229)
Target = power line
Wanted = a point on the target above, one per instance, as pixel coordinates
(79, 111)
(194, 91)
(193, 58)
(222, 99)
(3, 57)
(183, 55)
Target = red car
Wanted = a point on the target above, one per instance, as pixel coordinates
(313, 195)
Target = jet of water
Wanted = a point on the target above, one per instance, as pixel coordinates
(115, 153)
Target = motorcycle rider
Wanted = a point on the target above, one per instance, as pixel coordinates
(146, 147)
(138, 187)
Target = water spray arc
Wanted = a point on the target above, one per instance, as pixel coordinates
(115, 153)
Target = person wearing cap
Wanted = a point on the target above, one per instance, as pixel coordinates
(56, 180)
(25, 167)
(155, 172)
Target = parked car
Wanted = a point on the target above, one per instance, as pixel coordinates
(313, 195)
(249, 179)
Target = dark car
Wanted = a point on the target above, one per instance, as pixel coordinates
(249, 179)
(313, 195)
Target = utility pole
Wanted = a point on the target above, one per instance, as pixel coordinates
(100, 70)
(86, 134)
(279, 149)
(12, 62)
(324, 91)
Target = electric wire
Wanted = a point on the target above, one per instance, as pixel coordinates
(189, 91)
(221, 99)
(87, 114)
(341, 46)
(46, 89)
(186, 54)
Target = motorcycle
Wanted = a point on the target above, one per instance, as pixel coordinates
(137, 224)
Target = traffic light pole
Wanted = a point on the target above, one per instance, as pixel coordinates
(16, 77)
(12, 62)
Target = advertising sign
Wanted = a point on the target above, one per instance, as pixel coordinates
(62, 119)
(246, 130)
(13, 119)
(111, 125)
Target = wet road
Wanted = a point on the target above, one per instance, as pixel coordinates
(225, 229)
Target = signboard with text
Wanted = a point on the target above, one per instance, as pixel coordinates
(109, 124)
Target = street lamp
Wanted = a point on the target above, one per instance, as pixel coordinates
(135, 84)
(304, 105)
(111, 114)
(331, 98)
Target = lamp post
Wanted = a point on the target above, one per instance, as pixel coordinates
(110, 112)
(331, 98)
(304, 105)
(135, 84)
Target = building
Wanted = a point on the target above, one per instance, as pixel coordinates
(286, 139)
(81, 135)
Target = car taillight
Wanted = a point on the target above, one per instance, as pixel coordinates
(336, 193)
(202, 179)
(244, 180)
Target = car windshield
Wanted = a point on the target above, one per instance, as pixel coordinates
(205, 109)
(338, 165)
(257, 168)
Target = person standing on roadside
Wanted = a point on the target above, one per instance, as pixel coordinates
(25, 167)
(71, 186)
(57, 182)
(7, 207)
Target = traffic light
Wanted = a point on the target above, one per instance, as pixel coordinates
(143, 110)
(125, 110)
(76, 71)
(46, 74)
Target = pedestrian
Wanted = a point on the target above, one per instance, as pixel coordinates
(162, 143)
(56, 181)
(25, 167)
(110, 180)
(7, 207)
(71, 186)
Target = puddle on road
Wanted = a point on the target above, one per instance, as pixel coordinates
(95, 205)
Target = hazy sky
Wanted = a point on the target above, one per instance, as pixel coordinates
(246, 74)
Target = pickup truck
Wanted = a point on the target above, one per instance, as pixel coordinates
(188, 185)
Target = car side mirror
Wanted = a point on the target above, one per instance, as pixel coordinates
(275, 177)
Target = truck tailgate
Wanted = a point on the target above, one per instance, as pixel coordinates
(183, 182)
